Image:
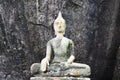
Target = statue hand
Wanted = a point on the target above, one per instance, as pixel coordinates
(44, 64)
(71, 59)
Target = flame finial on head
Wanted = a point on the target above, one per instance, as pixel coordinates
(60, 18)
(59, 15)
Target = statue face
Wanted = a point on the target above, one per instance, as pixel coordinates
(59, 25)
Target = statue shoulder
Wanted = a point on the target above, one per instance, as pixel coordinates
(51, 40)
(69, 40)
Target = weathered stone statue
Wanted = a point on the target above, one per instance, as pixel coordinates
(60, 55)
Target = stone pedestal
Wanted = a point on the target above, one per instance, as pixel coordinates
(58, 78)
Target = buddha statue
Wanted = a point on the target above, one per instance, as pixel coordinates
(60, 55)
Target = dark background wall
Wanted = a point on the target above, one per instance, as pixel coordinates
(27, 25)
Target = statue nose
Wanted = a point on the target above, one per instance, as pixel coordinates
(60, 26)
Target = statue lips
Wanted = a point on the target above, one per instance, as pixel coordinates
(60, 31)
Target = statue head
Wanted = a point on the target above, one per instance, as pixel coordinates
(59, 25)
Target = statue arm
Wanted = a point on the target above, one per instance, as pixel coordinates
(71, 51)
(45, 61)
(48, 51)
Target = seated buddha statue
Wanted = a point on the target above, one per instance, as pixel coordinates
(60, 55)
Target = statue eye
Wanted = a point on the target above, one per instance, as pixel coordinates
(57, 23)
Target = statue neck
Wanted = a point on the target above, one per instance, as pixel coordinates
(59, 36)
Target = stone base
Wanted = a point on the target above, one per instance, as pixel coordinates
(58, 78)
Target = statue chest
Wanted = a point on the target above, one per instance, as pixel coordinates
(60, 48)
